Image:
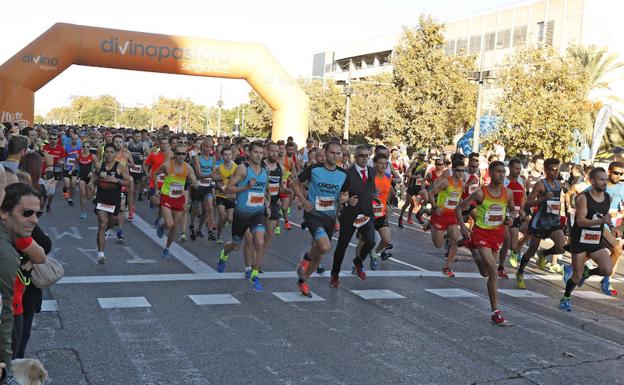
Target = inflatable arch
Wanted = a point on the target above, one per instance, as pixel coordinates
(66, 44)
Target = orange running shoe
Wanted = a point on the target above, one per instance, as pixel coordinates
(304, 289)
(302, 267)
(287, 225)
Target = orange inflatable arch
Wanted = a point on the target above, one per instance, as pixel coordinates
(66, 44)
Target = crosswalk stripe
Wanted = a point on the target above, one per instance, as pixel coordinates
(123, 302)
(377, 294)
(214, 299)
(294, 296)
(517, 293)
(451, 293)
(48, 305)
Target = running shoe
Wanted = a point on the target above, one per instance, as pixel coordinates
(278, 230)
(520, 281)
(427, 226)
(320, 270)
(120, 237)
(497, 318)
(302, 267)
(199, 233)
(385, 253)
(192, 234)
(374, 262)
(502, 274)
(567, 273)
(606, 287)
(513, 259)
(400, 222)
(255, 281)
(410, 221)
(221, 261)
(248, 273)
(334, 282)
(165, 253)
(156, 222)
(359, 271)
(220, 239)
(182, 237)
(448, 272)
(564, 304)
(101, 258)
(288, 211)
(70, 202)
(106, 234)
(554, 268)
(211, 236)
(83, 215)
(287, 225)
(160, 230)
(131, 214)
(304, 289)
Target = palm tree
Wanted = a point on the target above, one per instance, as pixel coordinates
(599, 66)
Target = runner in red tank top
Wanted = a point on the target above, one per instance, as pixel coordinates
(517, 232)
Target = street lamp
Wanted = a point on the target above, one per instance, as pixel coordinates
(479, 77)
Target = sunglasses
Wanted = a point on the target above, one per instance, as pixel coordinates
(362, 155)
(617, 173)
(29, 213)
(459, 170)
(439, 164)
(182, 141)
(180, 153)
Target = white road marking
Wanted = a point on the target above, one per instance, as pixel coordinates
(74, 233)
(377, 294)
(214, 299)
(590, 294)
(87, 253)
(136, 258)
(517, 293)
(123, 302)
(178, 252)
(405, 264)
(49, 305)
(295, 296)
(451, 293)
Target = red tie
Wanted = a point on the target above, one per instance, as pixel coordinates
(363, 176)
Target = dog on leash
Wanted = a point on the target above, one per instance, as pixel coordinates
(29, 371)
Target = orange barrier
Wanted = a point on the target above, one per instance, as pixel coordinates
(66, 44)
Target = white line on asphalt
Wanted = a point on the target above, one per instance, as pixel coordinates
(136, 258)
(377, 294)
(178, 252)
(406, 264)
(123, 302)
(295, 296)
(89, 279)
(49, 305)
(214, 299)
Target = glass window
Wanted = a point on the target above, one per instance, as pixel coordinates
(462, 46)
(540, 32)
(475, 44)
(449, 48)
(550, 29)
(519, 35)
(490, 41)
(503, 39)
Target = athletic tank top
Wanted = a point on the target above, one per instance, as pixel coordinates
(491, 212)
(449, 198)
(251, 201)
(205, 170)
(383, 184)
(173, 185)
(225, 177)
(72, 156)
(85, 164)
(547, 216)
(137, 152)
(275, 179)
(112, 188)
(517, 188)
(590, 238)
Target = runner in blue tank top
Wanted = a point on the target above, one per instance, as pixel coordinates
(203, 196)
(250, 183)
(326, 191)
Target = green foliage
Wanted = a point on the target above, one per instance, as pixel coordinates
(435, 97)
(542, 101)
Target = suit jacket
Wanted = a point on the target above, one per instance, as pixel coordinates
(365, 193)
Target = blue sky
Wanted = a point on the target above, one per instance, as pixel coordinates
(292, 30)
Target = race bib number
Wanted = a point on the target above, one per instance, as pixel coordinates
(205, 182)
(105, 207)
(57, 168)
(495, 216)
(160, 179)
(255, 199)
(361, 220)
(472, 188)
(70, 161)
(273, 188)
(176, 190)
(377, 210)
(103, 174)
(325, 204)
(136, 169)
(591, 237)
(553, 207)
(451, 202)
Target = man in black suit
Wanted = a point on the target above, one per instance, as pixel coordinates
(356, 215)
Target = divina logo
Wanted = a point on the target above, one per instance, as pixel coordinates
(40, 59)
(160, 52)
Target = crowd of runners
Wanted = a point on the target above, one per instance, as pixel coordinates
(200, 186)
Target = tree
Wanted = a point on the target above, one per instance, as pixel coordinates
(435, 97)
(258, 117)
(374, 114)
(599, 67)
(136, 117)
(542, 101)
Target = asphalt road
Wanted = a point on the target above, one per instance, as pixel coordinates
(140, 319)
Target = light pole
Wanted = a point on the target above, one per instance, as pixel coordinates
(348, 90)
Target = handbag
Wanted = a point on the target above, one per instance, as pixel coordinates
(47, 274)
